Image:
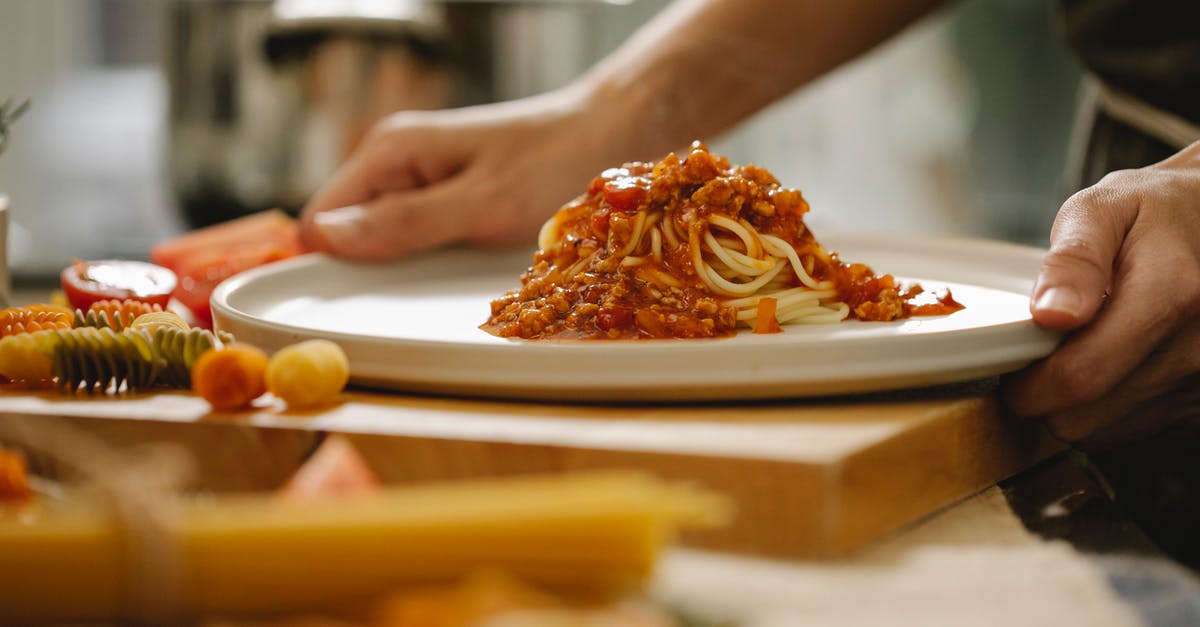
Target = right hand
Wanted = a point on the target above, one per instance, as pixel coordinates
(490, 174)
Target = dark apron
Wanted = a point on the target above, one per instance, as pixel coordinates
(1143, 50)
(1148, 53)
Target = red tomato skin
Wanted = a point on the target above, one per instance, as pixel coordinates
(81, 291)
(273, 226)
(205, 257)
(624, 195)
(336, 468)
(195, 295)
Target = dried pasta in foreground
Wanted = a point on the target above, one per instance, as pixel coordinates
(154, 320)
(97, 359)
(496, 598)
(179, 351)
(596, 533)
(232, 377)
(17, 320)
(28, 356)
(308, 374)
(115, 314)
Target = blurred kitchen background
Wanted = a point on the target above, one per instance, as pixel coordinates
(150, 116)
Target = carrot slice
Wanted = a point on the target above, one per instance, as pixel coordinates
(765, 320)
(14, 482)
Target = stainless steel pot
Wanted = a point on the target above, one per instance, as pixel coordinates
(266, 99)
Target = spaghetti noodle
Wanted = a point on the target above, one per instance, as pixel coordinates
(689, 248)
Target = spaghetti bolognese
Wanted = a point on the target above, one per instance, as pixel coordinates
(690, 248)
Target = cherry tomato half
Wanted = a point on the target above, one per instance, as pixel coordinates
(85, 282)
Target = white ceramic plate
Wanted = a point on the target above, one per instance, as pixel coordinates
(413, 325)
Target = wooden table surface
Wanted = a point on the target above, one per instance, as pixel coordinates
(832, 477)
(909, 461)
(815, 478)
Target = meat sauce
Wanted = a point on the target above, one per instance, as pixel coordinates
(579, 287)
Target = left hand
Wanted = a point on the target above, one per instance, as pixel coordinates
(1123, 278)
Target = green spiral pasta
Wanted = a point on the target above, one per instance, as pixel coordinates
(97, 358)
(101, 320)
(180, 349)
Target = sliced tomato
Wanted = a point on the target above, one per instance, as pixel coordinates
(336, 468)
(204, 258)
(85, 282)
(272, 226)
(199, 275)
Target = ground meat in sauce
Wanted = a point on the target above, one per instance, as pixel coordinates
(591, 281)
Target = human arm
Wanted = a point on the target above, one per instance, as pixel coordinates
(1123, 278)
(494, 173)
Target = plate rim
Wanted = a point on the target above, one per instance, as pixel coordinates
(1038, 342)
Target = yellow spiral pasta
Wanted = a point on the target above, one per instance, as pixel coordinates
(154, 320)
(28, 356)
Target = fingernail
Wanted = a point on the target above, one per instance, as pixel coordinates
(341, 227)
(1059, 299)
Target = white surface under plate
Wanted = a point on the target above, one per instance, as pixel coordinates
(413, 325)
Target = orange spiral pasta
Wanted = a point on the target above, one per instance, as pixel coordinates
(14, 320)
(122, 311)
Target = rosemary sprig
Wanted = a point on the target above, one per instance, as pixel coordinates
(8, 115)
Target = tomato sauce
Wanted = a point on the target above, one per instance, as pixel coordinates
(597, 274)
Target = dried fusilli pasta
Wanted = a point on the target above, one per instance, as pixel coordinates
(97, 358)
(154, 320)
(15, 320)
(180, 349)
(115, 314)
(28, 356)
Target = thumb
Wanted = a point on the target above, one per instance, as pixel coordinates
(1084, 243)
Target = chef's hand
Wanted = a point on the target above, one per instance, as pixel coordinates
(495, 173)
(489, 175)
(1123, 278)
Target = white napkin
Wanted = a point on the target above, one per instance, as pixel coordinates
(972, 564)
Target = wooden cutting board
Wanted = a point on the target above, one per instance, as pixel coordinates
(814, 478)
